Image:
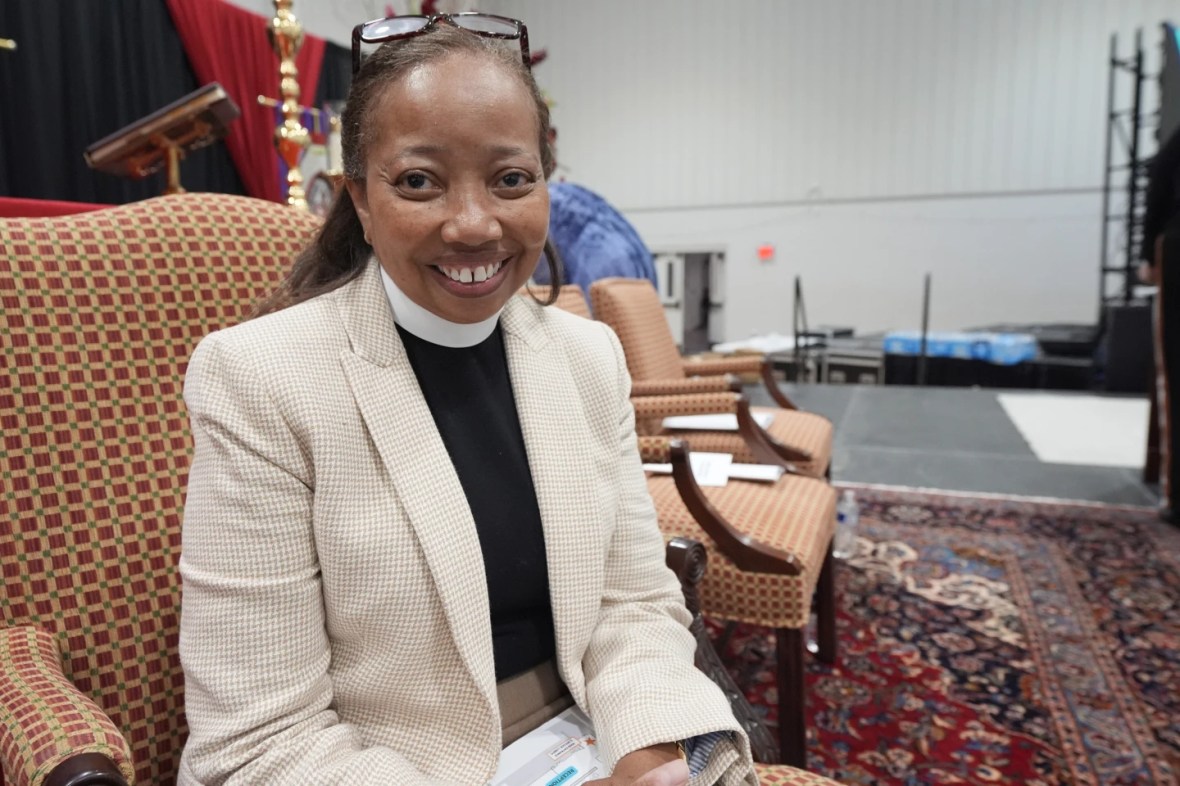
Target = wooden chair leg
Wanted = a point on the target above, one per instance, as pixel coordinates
(792, 705)
(825, 602)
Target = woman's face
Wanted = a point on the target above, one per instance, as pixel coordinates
(454, 200)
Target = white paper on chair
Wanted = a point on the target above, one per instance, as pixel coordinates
(563, 750)
(767, 473)
(709, 469)
(715, 422)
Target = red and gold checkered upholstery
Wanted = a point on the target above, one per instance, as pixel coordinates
(796, 515)
(100, 313)
(37, 690)
(781, 775)
(632, 308)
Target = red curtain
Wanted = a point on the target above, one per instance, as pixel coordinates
(229, 45)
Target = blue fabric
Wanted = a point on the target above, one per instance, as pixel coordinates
(699, 749)
(593, 239)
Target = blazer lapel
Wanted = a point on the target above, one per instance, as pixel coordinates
(399, 420)
(556, 438)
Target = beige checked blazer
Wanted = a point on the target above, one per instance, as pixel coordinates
(335, 624)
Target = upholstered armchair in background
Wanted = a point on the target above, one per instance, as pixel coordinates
(658, 399)
(770, 552)
(688, 559)
(632, 308)
(100, 313)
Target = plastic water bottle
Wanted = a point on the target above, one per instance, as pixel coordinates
(847, 519)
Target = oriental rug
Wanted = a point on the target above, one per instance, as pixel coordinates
(994, 641)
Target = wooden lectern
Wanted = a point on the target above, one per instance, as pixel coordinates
(165, 136)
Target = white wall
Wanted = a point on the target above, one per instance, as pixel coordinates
(869, 140)
(862, 263)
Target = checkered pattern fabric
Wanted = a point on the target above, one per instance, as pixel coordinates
(655, 450)
(796, 515)
(674, 387)
(571, 299)
(780, 775)
(802, 430)
(670, 406)
(100, 313)
(44, 719)
(632, 307)
(650, 412)
(750, 364)
(794, 428)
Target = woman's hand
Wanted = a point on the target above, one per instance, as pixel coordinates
(658, 765)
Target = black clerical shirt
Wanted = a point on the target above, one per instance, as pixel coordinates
(470, 396)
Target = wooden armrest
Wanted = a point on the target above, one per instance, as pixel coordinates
(50, 732)
(86, 769)
(746, 552)
(771, 385)
(741, 364)
(671, 387)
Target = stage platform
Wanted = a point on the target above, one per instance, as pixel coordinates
(957, 439)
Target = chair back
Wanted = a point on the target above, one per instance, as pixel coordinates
(632, 308)
(569, 298)
(100, 313)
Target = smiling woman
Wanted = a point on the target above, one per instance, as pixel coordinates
(386, 127)
(401, 550)
(453, 199)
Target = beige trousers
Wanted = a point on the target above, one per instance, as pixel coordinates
(529, 699)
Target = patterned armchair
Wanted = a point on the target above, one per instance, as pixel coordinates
(657, 400)
(632, 308)
(771, 544)
(100, 313)
(688, 559)
(770, 551)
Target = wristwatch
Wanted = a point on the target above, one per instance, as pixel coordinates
(680, 750)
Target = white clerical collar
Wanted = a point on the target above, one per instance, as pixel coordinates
(429, 326)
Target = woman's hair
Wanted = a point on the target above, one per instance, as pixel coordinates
(339, 251)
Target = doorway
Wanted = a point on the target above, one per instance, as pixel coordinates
(690, 287)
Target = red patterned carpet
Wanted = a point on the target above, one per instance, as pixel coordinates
(995, 641)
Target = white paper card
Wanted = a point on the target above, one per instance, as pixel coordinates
(714, 422)
(709, 469)
(561, 751)
(769, 473)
